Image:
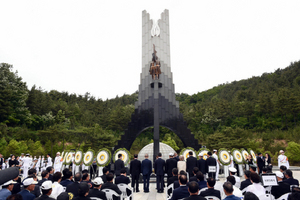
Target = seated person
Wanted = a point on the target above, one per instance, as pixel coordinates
(86, 178)
(68, 179)
(289, 178)
(282, 187)
(182, 191)
(201, 182)
(122, 178)
(236, 191)
(176, 183)
(105, 172)
(250, 196)
(256, 188)
(228, 191)
(95, 192)
(247, 180)
(211, 191)
(110, 185)
(193, 190)
(194, 177)
(174, 177)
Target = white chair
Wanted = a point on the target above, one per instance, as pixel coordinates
(211, 198)
(266, 197)
(203, 189)
(284, 197)
(123, 187)
(95, 198)
(268, 189)
(245, 189)
(171, 186)
(292, 186)
(110, 193)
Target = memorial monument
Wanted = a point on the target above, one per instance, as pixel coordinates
(156, 105)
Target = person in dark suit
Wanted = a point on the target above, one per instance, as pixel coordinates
(182, 191)
(194, 177)
(282, 187)
(193, 190)
(174, 177)
(211, 191)
(1, 161)
(73, 187)
(95, 192)
(191, 162)
(247, 180)
(159, 166)
(51, 171)
(289, 178)
(119, 164)
(176, 183)
(135, 170)
(176, 157)
(146, 168)
(46, 189)
(122, 178)
(45, 176)
(210, 161)
(110, 185)
(201, 164)
(29, 185)
(201, 182)
(68, 179)
(171, 163)
(105, 172)
(260, 162)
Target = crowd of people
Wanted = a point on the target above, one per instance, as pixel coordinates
(189, 179)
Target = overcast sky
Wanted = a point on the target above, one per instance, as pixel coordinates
(95, 46)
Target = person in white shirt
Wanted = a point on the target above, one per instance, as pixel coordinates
(236, 191)
(26, 165)
(49, 161)
(256, 188)
(231, 160)
(215, 156)
(232, 172)
(283, 160)
(38, 164)
(57, 188)
(57, 162)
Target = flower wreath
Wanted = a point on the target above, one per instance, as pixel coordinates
(204, 151)
(185, 152)
(103, 157)
(88, 157)
(125, 155)
(68, 158)
(252, 153)
(78, 157)
(237, 156)
(224, 157)
(245, 154)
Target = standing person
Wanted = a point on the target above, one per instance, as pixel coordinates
(159, 166)
(49, 161)
(231, 159)
(146, 168)
(26, 165)
(57, 162)
(260, 162)
(283, 160)
(268, 161)
(37, 166)
(176, 157)
(201, 165)
(181, 164)
(12, 162)
(210, 162)
(135, 170)
(1, 161)
(191, 162)
(218, 163)
(171, 163)
(119, 164)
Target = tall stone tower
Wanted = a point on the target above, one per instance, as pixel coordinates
(156, 105)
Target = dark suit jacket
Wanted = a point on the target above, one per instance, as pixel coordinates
(66, 182)
(146, 167)
(191, 162)
(36, 191)
(159, 166)
(41, 181)
(193, 178)
(180, 193)
(195, 197)
(176, 184)
(97, 193)
(104, 178)
(73, 188)
(245, 184)
(26, 195)
(202, 184)
(172, 180)
(201, 165)
(210, 162)
(170, 164)
(135, 167)
(119, 164)
(110, 185)
(291, 181)
(122, 179)
(260, 163)
(281, 189)
(211, 192)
